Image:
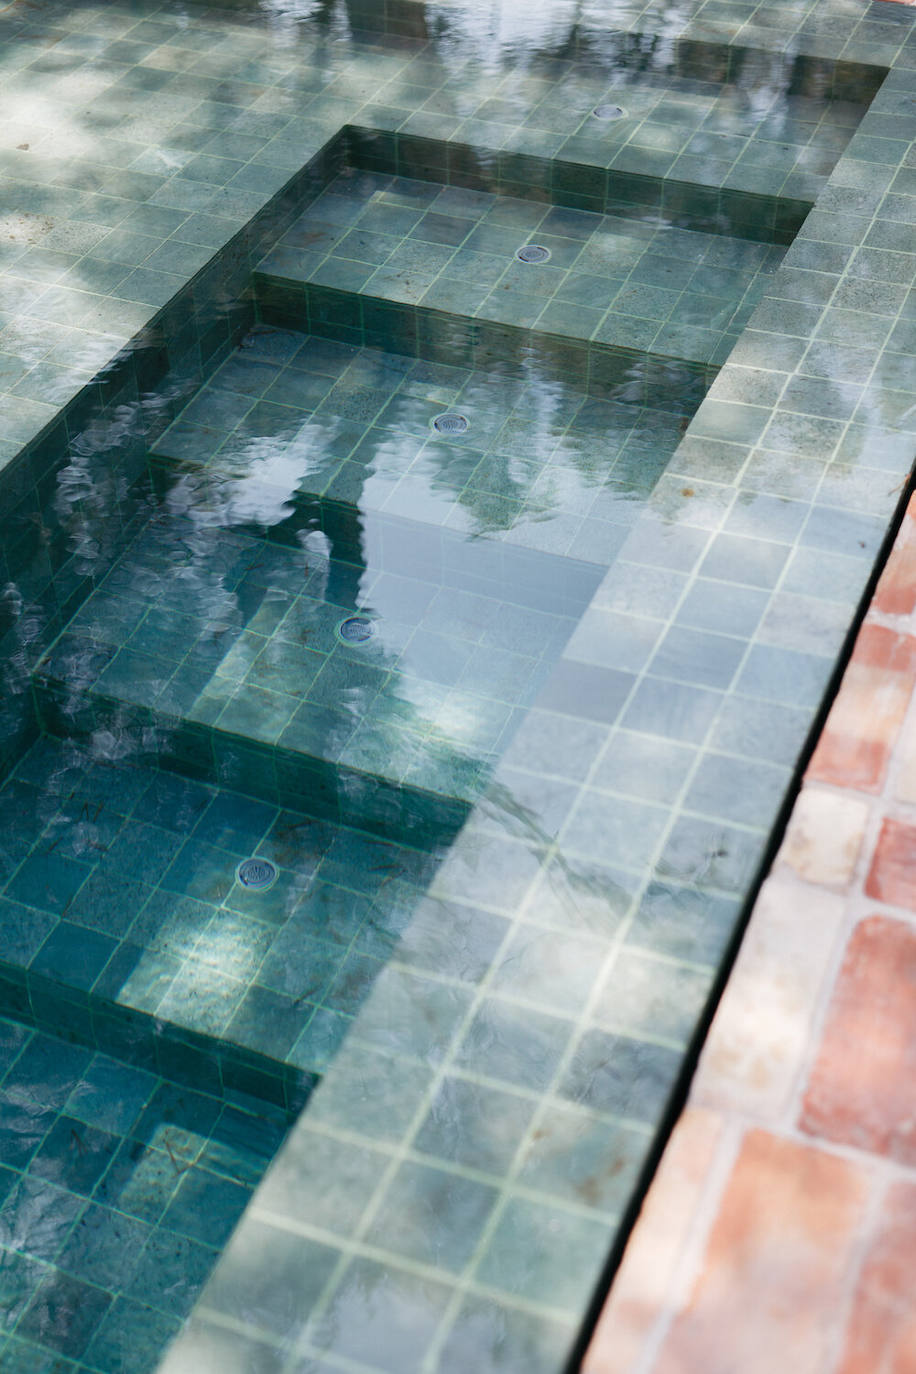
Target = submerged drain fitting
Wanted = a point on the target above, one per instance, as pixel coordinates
(608, 112)
(451, 423)
(256, 873)
(533, 252)
(356, 629)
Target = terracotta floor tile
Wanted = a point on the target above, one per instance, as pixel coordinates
(824, 836)
(862, 727)
(879, 647)
(881, 1337)
(758, 1043)
(642, 1290)
(896, 591)
(866, 716)
(892, 876)
(905, 781)
(861, 1088)
(774, 1270)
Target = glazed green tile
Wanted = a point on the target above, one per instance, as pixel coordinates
(784, 675)
(459, 1205)
(696, 656)
(620, 1074)
(134, 1326)
(529, 965)
(755, 790)
(643, 766)
(674, 710)
(722, 608)
(648, 996)
(710, 853)
(474, 1125)
(294, 1273)
(212, 130)
(514, 1044)
(356, 1324)
(740, 559)
(831, 576)
(205, 1207)
(490, 1330)
(575, 1155)
(520, 1259)
(403, 1004)
(600, 827)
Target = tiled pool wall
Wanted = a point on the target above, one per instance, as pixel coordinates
(830, 428)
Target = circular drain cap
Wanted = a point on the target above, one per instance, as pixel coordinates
(608, 112)
(533, 252)
(451, 423)
(256, 873)
(356, 629)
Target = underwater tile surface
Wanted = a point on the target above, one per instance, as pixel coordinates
(442, 550)
(121, 882)
(498, 1013)
(118, 1190)
(136, 144)
(639, 282)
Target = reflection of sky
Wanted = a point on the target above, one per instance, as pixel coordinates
(274, 482)
(493, 33)
(483, 37)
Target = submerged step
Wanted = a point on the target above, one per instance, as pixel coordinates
(345, 600)
(641, 278)
(519, 454)
(126, 926)
(235, 654)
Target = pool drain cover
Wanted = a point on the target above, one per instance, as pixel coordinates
(451, 423)
(533, 252)
(608, 112)
(256, 873)
(356, 629)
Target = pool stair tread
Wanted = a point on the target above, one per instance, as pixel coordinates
(380, 254)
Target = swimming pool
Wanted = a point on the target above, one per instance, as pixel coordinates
(462, 592)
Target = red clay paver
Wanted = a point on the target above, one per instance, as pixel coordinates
(881, 1337)
(865, 719)
(861, 1090)
(775, 1267)
(896, 591)
(892, 876)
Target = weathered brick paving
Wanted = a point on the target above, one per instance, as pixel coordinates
(781, 1224)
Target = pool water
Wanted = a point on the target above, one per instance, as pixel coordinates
(611, 278)
(422, 573)
(118, 1191)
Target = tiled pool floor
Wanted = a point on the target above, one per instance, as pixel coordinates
(636, 281)
(800, 1108)
(118, 1191)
